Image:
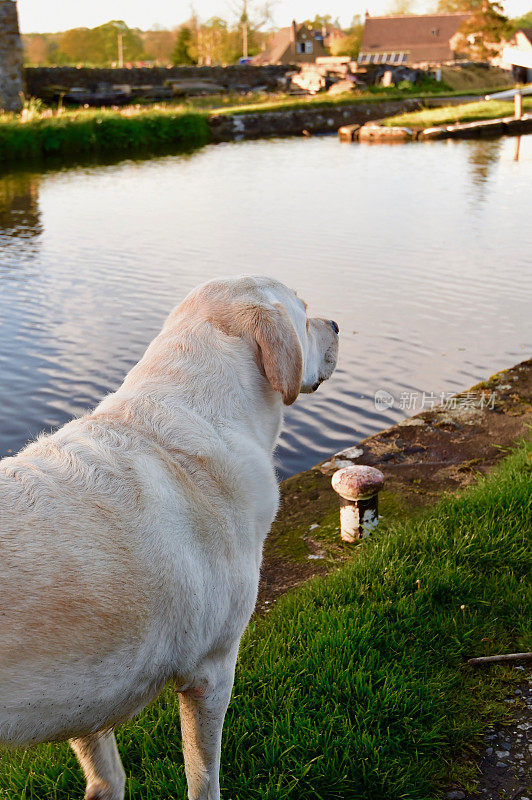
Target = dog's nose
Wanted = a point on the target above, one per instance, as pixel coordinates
(334, 326)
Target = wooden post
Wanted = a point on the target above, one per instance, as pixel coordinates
(518, 105)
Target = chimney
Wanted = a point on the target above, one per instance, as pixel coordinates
(293, 31)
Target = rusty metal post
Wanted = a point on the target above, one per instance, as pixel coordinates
(358, 488)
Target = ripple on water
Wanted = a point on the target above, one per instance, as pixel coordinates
(411, 247)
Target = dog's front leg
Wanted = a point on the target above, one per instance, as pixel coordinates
(202, 711)
(98, 756)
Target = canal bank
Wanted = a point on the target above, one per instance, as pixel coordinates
(303, 121)
(438, 451)
(146, 131)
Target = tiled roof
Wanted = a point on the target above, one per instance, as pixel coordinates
(280, 42)
(410, 30)
(277, 45)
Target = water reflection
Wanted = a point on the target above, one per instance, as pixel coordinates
(420, 279)
(484, 155)
(19, 206)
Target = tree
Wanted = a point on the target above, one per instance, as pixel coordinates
(38, 48)
(105, 42)
(402, 7)
(350, 44)
(321, 21)
(182, 54)
(520, 22)
(480, 36)
(217, 44)
(99, 45)
(251, 16)
(75, 46)
(159, 45)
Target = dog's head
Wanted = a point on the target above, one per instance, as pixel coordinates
(294, 352)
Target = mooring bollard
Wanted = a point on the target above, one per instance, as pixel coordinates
(358, 488)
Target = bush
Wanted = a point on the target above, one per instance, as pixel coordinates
(95, 133)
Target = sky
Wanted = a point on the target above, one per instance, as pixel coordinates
(57, 15)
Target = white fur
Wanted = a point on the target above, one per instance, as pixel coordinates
(131, 539)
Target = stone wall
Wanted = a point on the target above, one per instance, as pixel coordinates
(301, 121)
(11, 75)
(232, 78)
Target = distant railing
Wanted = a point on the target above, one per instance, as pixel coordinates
(517, 95)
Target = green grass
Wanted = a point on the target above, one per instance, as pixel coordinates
(355, 685)
(88, 133)
(485, 109)
(144, 129)
(375, 94)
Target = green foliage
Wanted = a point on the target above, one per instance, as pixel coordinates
(520, 22)
(349, 45)
(98, 133)
(405, 86)
(479, 36)
(98, 46)
(159, 45)
(354, 685)
(455, 6)
(448, 115)
(322, 20)
(401, 7)
(183, 48)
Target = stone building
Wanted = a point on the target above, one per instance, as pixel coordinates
(518, 54)
(297, 44)
(11, 76)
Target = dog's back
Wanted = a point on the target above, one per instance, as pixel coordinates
(70, 586)
(106, 545)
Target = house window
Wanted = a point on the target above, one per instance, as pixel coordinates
(396, 58)
(404, 57)
(435, 32)
(304, 47)
(362, 58)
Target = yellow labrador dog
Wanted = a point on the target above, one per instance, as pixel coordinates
(131, 539)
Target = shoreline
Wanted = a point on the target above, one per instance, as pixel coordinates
(76, 136)
(423, 457)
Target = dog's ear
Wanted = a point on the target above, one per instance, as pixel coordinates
(280, 354)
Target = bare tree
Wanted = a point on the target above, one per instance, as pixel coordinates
(252, 15)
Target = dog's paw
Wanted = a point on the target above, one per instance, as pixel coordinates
(101, 791)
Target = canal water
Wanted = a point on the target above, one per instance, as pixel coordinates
(421, 252)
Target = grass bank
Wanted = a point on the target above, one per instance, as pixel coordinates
(355, 685)
(448, 115)
(89, 133)
(375, 94)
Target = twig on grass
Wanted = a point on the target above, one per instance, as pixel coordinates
(499, 659)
